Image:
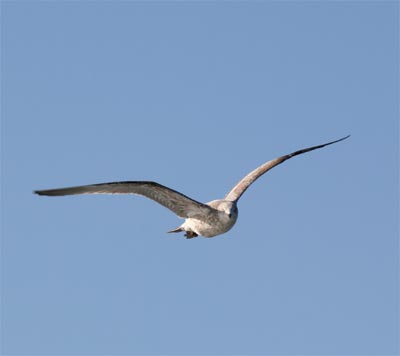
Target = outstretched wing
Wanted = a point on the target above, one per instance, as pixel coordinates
(242, 186)
(180, 204)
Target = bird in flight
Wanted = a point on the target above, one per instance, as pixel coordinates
(210, 219)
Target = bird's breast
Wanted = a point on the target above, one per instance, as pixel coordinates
(217, 226)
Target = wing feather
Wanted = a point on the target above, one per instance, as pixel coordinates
(180, 204)
(237, 191)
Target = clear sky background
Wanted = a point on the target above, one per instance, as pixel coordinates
(194, 95)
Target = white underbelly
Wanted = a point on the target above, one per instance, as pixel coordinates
(207, 230)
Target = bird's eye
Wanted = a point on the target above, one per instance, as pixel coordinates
(230, 215)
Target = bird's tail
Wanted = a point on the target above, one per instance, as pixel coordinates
(178, 229)
(188, 233)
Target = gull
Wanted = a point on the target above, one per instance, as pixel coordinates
(208, 220)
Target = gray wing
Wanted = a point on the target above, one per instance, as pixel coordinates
(180, 204)
(242, 186)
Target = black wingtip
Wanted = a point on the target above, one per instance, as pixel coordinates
(43, 192)
(340, 139)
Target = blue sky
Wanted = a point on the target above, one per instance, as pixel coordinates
(194, 95)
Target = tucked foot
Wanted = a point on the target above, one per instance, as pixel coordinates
(190, 234)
